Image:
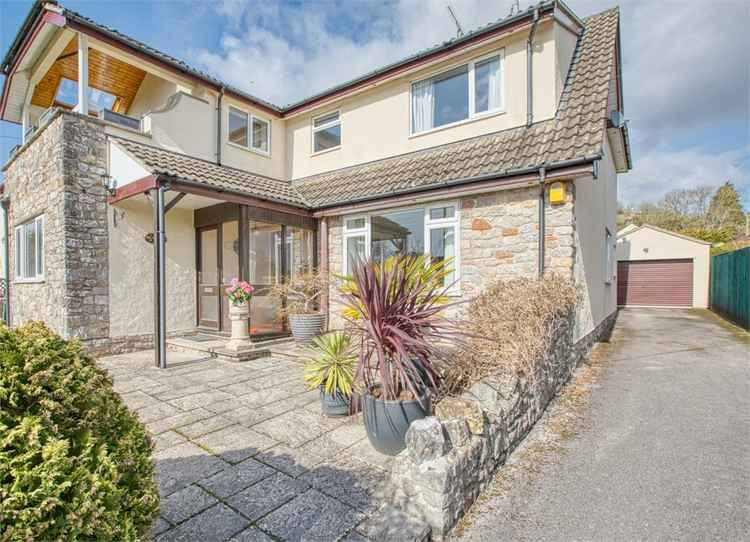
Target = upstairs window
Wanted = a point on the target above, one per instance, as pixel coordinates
(29, 250)
(327, 132)
(249, 131)
(462, 93)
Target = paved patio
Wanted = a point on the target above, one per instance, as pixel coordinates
(243, 452)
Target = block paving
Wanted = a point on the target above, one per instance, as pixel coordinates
(243, 452)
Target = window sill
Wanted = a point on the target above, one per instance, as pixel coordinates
(29, 281)
(248, 149)
(324, 151)
(475, 118)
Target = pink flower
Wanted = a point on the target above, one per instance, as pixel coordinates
(247, 288)
(234, 281)
(229, 290)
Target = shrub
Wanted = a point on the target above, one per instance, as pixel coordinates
(331, 364)
(398, 319)
(75, 463)
(299, 294)
(513, 325)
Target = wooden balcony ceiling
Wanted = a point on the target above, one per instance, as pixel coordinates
(105, 73)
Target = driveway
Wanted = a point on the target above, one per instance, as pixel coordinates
(662, 451)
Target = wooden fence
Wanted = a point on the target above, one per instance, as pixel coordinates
(730, 286)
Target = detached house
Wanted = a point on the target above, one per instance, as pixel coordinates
(143, 185)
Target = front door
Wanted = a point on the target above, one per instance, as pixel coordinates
(209, 298)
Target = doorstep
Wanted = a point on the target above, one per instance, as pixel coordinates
(215, 346)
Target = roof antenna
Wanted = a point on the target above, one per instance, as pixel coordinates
(459, 30)
(515, 8)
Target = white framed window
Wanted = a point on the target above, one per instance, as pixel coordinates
(431, 229)
(465, 92)
(248, 131)
(609, 257)
(326, 132)
(29, 250)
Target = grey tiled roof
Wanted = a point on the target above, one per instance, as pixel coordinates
(577, 131)
(187, 168)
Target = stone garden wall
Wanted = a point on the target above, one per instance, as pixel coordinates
(452, 456)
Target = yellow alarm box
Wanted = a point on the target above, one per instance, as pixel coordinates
(557, 193)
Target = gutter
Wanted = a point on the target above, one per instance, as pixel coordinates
(529, 70)
(332, 208)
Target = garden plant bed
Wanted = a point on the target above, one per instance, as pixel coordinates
(243, 451)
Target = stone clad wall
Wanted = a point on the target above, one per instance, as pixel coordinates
(34, 181)
(86, 294)
(61, 173)
(451, 457)
(499, 240)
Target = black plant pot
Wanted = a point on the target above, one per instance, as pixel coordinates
(335, 404)
(386, 422)
(305, 327)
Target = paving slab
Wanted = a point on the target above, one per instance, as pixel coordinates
(179, 466)
(251, 535)
(258, 500)
(311, 516)
(291, 461)
(237, 477)
(167, 440)
(351, 481)
(185, 503)
(205, 426)
(236, 443)
(217, 523)
(178, 420)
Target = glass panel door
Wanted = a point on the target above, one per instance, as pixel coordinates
(230, 265)
(264, 270)
(208, 277)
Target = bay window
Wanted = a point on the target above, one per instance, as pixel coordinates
(430, 230)
(29, 250)
(249, 131)
(459, 94)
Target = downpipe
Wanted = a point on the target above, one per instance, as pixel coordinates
(219, 102)
(529, 70)
(542, 220)
(161, 240)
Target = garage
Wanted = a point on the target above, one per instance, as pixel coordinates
(659, 283)
(660, 268)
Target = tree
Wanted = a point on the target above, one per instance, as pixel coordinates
(725, 211)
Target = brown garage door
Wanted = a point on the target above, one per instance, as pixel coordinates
(667, 283)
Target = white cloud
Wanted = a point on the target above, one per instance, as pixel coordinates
(659, 171)
(686, 68)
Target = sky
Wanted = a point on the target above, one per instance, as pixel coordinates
(686, 64)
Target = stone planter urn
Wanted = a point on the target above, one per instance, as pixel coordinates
(239, 316)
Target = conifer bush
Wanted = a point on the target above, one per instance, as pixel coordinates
(75, 463)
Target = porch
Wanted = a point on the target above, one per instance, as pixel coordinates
(201, 225)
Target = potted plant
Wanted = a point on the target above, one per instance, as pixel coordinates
(402, 336)
(331, 370)
(297, 299)
(239, 294)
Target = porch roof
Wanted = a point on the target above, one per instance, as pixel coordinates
(181, 167)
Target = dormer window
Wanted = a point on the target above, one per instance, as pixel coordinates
(249, 131)
(462, 93)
